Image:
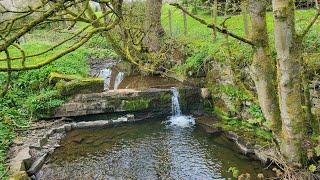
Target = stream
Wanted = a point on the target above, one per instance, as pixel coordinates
(166, 148)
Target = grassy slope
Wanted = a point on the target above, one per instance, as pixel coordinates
(200, 37)
(235, 24)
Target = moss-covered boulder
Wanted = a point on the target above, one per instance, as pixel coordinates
(80, 86)
(54, 78)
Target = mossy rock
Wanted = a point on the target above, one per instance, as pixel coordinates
(20, 175)
(165, 97)
(136, 105)
(54, 78)
(81, 86)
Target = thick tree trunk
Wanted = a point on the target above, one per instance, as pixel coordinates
(263, 68)
(153, 29)
(289, 75)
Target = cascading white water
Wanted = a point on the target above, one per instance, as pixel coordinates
(106, 75)
(177, 119)
(119, 78)
(176, 110)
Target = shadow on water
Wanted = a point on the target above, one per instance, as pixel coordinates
(148, 150)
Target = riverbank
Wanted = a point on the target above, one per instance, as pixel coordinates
(48, 137)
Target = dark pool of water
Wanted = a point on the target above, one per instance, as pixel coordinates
(148, 150)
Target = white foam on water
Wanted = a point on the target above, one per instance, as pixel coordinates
(177, 118)
(182, 121)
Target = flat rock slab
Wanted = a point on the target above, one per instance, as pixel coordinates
(128, 101)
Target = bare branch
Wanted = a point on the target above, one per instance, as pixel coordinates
(74, 47)
(8, 41)
(308, 28)
(213, 26)
(7, 86)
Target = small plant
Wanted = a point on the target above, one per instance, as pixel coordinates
(234, 171)
(312, 168)
(317, 150)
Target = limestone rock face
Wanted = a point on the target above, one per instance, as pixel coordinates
(154, 101)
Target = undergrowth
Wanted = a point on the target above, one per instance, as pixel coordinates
(30, 96)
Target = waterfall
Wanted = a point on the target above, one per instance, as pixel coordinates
(177, 118)
(176, 110)
(106, 75)
(119, 78)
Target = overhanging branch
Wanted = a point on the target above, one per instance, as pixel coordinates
(213, 26)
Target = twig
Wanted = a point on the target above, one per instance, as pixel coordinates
(213, 26)
(314, 20)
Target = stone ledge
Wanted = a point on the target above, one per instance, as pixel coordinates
(128, 101)
(251, 150)
(30, 159)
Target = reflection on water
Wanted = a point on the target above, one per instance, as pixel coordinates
(149, 150)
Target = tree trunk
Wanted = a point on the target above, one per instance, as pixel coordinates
(244, 12)
(289, 74)
(215, 16)
(262, 67)
(153, 29)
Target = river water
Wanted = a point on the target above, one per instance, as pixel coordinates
(168, 148)
(147, 150)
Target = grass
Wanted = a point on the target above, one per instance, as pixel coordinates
(30, 94)
(202, 45)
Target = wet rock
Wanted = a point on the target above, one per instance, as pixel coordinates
(243, 146)
(77, 140)
(68, 127)
(129, 100)
(59, 129)
(207, 122)
(90, 124)
(37, 165)
(130, 117)
(119, 120)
